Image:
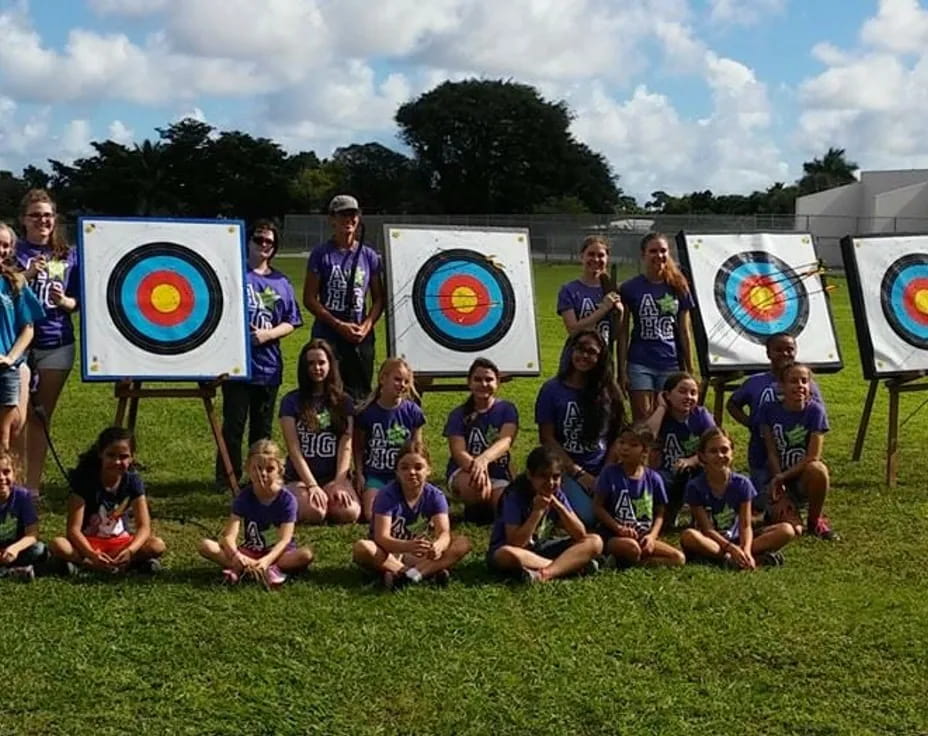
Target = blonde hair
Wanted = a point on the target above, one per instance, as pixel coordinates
(8, 269)
(268, 450)
(57, 242)
(13, 459)
(391, 364)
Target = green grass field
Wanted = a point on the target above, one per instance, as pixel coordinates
(832, 643)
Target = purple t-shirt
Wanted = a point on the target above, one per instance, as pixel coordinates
(680, 439)
(483, 431)
(723, 509)
(17, 513)
(56, 329)
(386, 430)
(559, 404)
(584, 300)
(333, 267)
(271, 301)
(408, 521)
(320, 447)
(756, 391)
(261, 520)
(655, 310)
(109, 513)
(516, 506)
(631, 501)
(791, 429)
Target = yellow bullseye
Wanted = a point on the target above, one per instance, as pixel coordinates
(464, 299)
(761, 298)
(921, 300)
(165, 298)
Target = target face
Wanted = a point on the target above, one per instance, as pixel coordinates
(164, 298)
(462, 301)
(904, 298)
(759, 295)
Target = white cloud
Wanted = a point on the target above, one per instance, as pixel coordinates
(743, 12)
(120, 133)
(900, 26)
(132, 8)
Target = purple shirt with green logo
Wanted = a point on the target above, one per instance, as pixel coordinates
(333, 266)
(482, 432)
(680, 439)
(407, 522)
(559, 404)
(723, 509)
(584, 300)
(56, 329)
(385, 431)
(655, 312)
(271, 302)
(791, 429)
(16, 513)
(631, 501)
(261, 520)
(320, 447)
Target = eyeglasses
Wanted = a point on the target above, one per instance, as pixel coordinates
(41, 215)
(258, 240)
(590, 350)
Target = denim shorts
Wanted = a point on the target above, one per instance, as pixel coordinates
(60, 358)
(9, 386)
(644, 378)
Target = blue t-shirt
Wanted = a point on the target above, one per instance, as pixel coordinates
(385, 431)
(722, 509)
(16, 312)
(584, 300)
(791, 429)
(680, 439)
(261, 520)
(333, 266)
(516, 506)
(757, 390)
(631, 501)
(109, 513)
(56, 328)
(271, 302)
(407, 521)
(16, 514)
(559, 404)
(655, 312)
(319, 447)
(482, 432)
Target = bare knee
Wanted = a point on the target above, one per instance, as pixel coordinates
(344, 514)
(816, 472)
(460, 546)
(593, 543)
(363, 551)
(155, 547)
(60, 547)
(310, 514)
(207, 548)
(690, 538)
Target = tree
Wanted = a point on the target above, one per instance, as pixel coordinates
(832, 170)
(498, 147)
(382, 180)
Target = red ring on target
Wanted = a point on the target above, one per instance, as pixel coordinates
(463, 299)
(148, 298)
(772, 307)
(911, 302)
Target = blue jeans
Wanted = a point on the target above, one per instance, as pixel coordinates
(580, 501)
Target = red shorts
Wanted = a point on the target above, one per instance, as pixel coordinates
(111, 546)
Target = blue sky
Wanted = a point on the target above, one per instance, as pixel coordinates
(729, 95)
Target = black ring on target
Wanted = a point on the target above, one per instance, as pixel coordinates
(463, 301)
(164, 298)
(759, 295)
(904, 298)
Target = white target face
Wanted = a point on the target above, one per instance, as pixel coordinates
(162, 299)
(888, 278)
(751, 286)
(454, 294)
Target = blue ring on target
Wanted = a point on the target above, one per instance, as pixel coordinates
(198, 303)
(463, 301)
(783, 302)
(903, 296)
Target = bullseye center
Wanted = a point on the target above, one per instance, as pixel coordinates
(165, 298)
(921, 300)
(761, 298)
(464, 299)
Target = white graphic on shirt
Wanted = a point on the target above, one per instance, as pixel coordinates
(654, 324)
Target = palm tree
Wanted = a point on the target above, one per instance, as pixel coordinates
(832, 170)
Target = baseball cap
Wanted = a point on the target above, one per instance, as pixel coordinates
(343, 202)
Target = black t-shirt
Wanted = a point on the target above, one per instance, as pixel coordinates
(107, 513)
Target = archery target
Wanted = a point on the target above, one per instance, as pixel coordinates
(757, 294)
(163, 299)
(462, 301)
(892, 320)
(457, 293)
(749, 286)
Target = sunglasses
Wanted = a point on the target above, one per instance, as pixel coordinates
(590, 350)
(259, 240)
(41, 215)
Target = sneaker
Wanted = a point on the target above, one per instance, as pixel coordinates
(26, 573)
(591, 567)
(442, 578)
(729, 563)
(275, 577)
(772, 559)
(608, 562)
(529, 577)
(394, 581)
(822, 529)
(150, 566)
(57, 566)
(229, 576)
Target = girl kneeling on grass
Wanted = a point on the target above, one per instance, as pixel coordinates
(521, 540)
(268, 511)
(20, 548)
(107, 495)
(728, 537)
(399, 546)
(629, 503)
